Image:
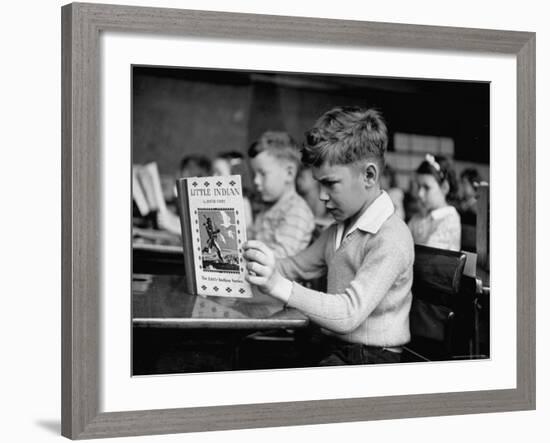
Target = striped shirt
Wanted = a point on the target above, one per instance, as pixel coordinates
(286, 227)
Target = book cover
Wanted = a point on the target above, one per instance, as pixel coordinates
(149, 178)
(138, 194)
(213, 233)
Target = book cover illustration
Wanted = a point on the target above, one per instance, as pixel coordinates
(213, 232)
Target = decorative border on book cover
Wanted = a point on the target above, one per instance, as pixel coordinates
(218, 234)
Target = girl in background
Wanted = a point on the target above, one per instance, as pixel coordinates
(469, 182)
(438, 225)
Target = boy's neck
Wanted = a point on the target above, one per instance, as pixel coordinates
(368, 201)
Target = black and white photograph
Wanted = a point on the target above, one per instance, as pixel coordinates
(352, 132)
(365, 224)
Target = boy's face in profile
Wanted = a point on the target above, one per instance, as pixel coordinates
(342, 189)
(272, 176)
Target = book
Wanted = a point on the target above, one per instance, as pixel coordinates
(213, 230)
(149, 179)
(138, 194)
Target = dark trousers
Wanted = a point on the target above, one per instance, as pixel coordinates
(331, 351)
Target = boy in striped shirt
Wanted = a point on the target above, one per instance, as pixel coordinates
(286, 226)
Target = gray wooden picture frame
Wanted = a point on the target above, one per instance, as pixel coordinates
(81, 206)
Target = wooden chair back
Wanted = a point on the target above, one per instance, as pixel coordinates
(440, 319)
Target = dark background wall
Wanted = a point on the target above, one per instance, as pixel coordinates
(183, 111)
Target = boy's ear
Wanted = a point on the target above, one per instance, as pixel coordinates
(371, 174)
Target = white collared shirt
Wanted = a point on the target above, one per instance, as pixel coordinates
(445, 211)
(371, 220)
(439, 229)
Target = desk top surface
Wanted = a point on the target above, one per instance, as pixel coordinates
(155, 240)
(161, 301)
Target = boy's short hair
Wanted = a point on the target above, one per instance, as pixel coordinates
(344, 135)
(279, 144)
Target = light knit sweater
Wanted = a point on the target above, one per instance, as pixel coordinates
(369, 279)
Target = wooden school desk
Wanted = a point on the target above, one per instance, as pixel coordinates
(161, 301)
(174, 331)
(156, 252)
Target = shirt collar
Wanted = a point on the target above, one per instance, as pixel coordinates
(439, 213)
(372, 219)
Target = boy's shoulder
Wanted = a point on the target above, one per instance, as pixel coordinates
(395, 232)
(299, 202)
(295, 205)
(292, 205)
(395, 224)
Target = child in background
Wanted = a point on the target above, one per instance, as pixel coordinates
(389, 184)
(469, 182)
(367, 255)
(224, 163)
(310, 190)
(438, 225)
(193, 165)
(233, 163)
(286, 226)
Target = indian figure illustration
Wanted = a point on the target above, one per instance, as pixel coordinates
(212, 231)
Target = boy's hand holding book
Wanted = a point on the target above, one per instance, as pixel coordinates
(262, 271)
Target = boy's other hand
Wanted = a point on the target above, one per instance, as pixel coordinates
(261, 266)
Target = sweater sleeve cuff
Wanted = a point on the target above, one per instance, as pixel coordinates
(282, 290)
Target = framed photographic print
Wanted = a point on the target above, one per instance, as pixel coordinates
(150, 92)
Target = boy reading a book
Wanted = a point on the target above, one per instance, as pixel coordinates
(367, 255)
(287, 224)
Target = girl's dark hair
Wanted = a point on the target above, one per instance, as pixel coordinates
(198, 161)
(472, 175)
(442, 170)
